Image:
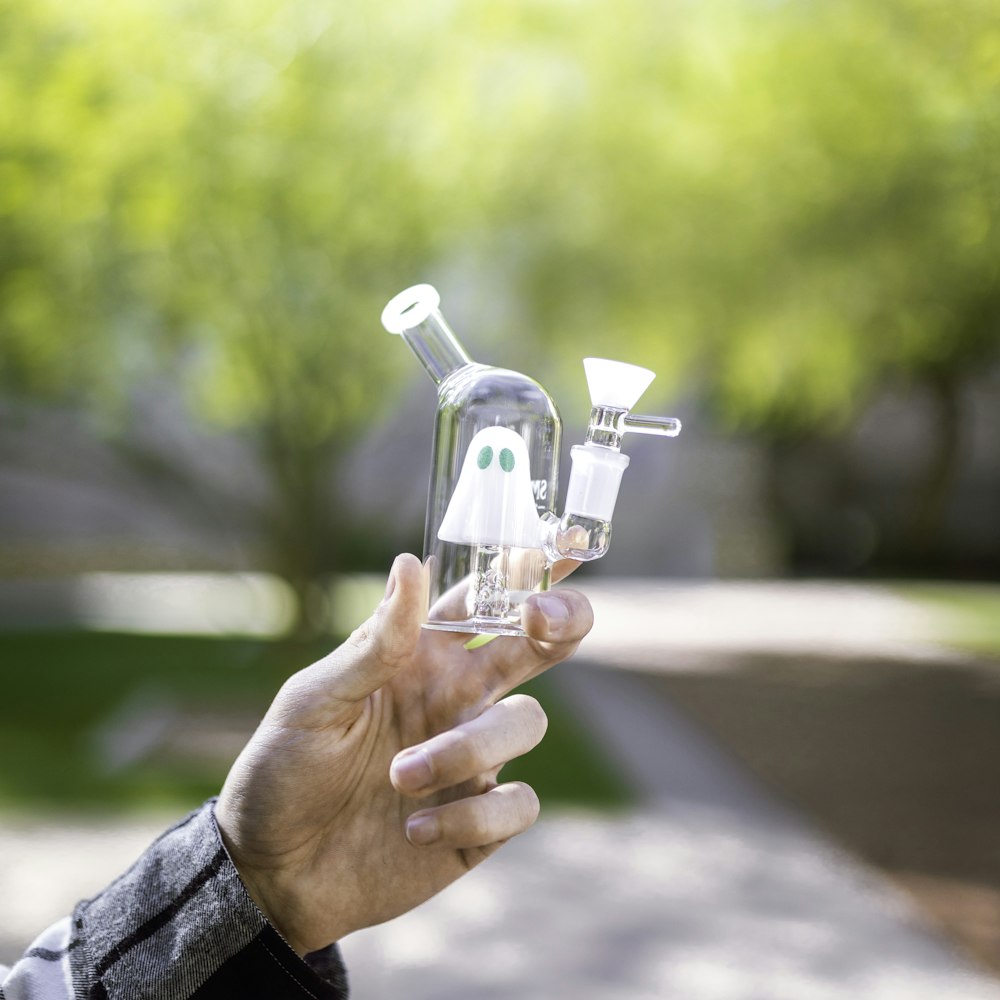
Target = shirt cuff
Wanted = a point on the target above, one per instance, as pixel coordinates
(180, 924)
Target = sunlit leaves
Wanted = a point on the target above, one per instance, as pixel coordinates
(785, 202)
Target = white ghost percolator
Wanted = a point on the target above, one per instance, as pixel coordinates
(492, 534)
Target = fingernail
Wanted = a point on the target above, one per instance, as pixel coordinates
(421, 830)
(555, 610)
(412, 768)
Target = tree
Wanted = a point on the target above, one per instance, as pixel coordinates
(232, 217)
(790, 204)
(782, 204)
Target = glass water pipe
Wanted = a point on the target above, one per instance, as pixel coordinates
(491, 534)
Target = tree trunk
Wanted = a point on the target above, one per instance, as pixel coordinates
(937, 485)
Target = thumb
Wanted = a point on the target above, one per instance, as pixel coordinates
(377, 649)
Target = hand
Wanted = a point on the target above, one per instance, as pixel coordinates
(370, 785)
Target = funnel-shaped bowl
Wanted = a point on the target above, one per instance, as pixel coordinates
(615, 383)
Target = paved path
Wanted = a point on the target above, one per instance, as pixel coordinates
(654, 624)
(709, 891)
(46, 865)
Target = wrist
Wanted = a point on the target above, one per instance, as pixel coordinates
(262, 891)
(273, 911)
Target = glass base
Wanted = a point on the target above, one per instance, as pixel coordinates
(478, 626)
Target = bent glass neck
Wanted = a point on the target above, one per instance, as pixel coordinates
(436, 346)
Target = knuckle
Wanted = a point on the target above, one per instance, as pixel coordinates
(294, 693)
(526, 803)
(459, 756)
(478, 829)
(361, 637)
(530, 715)
(496, 815)
(377, 638)
(468, 824)
(536, 716)
(581, 613)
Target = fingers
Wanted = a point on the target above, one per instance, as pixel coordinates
(499, 814)
(373, 653)
(504, 731)
(557, 618)
(563, 568)
(556, 622)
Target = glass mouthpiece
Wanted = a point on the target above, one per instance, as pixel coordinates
(415, 316)
(615, 383)
(410, 308)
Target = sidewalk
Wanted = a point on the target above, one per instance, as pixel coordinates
(710, 890)
(650, 624)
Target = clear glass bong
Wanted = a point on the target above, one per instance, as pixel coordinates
(492, 535)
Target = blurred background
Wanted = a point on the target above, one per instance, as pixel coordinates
(776, 770)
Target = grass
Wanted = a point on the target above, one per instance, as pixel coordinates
(969, 614)
(61, 688)
(568, 768)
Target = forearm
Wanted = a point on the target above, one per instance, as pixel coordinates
(178, 924)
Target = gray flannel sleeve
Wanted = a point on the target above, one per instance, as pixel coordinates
(179, 924)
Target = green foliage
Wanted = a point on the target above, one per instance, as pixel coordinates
(215, 196)
(781, 203)
(787, 202)
(212, 179)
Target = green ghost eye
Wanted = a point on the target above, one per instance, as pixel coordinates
(486, 456)
(506, 460)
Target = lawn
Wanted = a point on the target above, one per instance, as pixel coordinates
(968, 613)
(97, 722)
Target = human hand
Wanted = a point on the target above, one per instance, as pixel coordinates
(371, 783)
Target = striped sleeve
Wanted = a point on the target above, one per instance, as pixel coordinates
(43, 973)
(178, 925)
